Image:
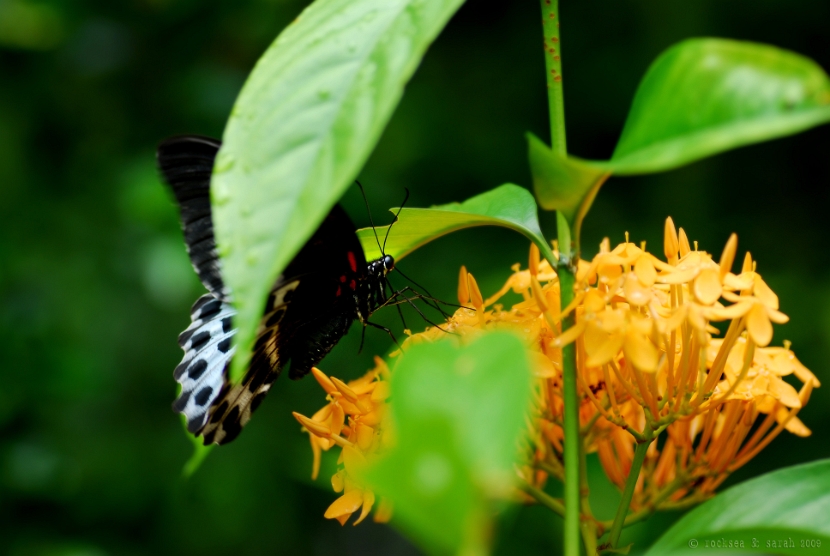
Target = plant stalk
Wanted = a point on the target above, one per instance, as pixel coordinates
(628, 492)
(553, 72)
(654, 505)
(572, 438)
(543, 498)
(566, 269)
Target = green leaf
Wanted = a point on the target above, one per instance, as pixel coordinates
(305, 122)
(508, 205)
(458, 413)
(566, 184)
(430, 484)
(705, 96)
(701, 97)
(483, 388)
(200, 452)
(768, 513)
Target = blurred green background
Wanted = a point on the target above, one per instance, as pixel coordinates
(95, 284)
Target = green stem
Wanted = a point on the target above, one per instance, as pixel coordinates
(571, 414)
(566, 269)
(553, 71)
(566, 247)
(654, 505)
(587, 427)
(543, 498)
(628, 492)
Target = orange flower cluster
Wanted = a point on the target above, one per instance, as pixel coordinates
(648, 363)
(362, 436)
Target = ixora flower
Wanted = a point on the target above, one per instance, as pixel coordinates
(648, 362)
(360, 438)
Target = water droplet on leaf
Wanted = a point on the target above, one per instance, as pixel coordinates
(220, 193)
(224, 162)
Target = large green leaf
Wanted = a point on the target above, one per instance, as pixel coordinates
(302, 127)
(705, 96)
(784, 512)
(458, 414)
(701, 97)
(508, 205)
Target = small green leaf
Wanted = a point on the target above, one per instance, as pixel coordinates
(705, 96)
(305, 122)
(429, 483)
(566, 184)
(508, 205)
(458, 412)
(483, 388)
(783, 512)
(200, 452)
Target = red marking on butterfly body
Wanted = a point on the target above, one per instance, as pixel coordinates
(352, 262)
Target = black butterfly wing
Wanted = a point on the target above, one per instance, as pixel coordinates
(306, 313)
(323, 307)
(186, 164)
(305, 316)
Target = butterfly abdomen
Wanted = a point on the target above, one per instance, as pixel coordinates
(308, 353)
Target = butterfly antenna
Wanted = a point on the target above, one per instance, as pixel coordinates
(389, 229)
(372, 222)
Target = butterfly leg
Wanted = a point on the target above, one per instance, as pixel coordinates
(429, 295)
(362, 338)
(379, 327)
(400, 313)
(394, 300)
(397, 305)
(428, 299)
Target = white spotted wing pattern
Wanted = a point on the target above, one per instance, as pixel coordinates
(233, 406)
(207, 353)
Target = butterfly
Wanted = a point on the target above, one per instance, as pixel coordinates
(324, 289)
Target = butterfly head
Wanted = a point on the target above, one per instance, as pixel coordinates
(382, 266)
(388, 263)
